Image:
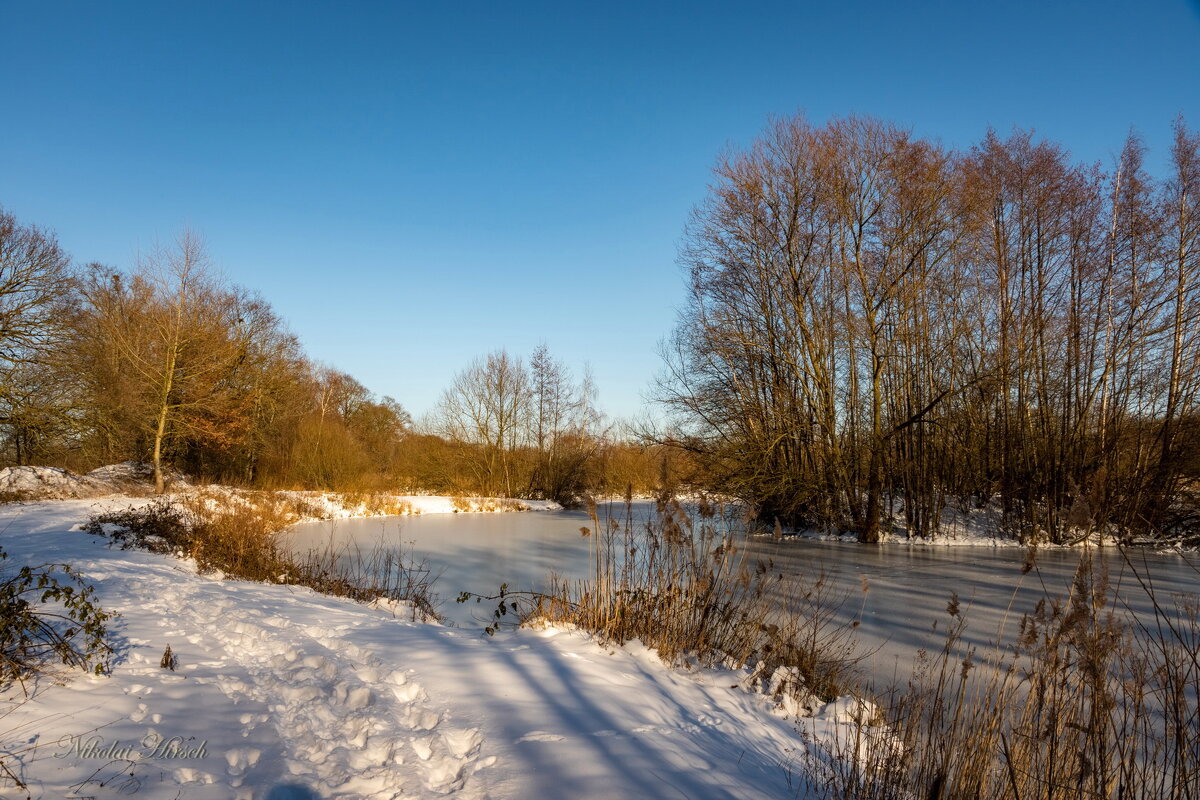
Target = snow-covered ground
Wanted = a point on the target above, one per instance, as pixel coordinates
(284, 694)
(965, 527)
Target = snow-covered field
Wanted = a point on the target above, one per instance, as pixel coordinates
(284, 694)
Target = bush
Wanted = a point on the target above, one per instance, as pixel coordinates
(49, 615)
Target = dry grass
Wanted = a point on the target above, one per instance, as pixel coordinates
(1085, 703)
(376, 504)
(474, 504)
(682, 585)
(237, 535)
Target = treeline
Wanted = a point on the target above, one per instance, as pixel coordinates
(170, 365)
(879, 325)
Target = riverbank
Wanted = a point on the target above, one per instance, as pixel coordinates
(135, 479)
(985, 527)
(282, 693)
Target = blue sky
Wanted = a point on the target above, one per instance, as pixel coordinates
(412, 185)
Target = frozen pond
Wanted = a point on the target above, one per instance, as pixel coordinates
(908, 587)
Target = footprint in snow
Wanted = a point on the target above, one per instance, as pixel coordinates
(540, 736)
(189, 775)
(342, 717)
(241, 758)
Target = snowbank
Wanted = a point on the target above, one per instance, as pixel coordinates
(131, 474)
(282, 693)
(47, 482)
(965, 527)
(55, 483)
(333, 505)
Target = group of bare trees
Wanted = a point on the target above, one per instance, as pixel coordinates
(878, 326)
(34, 275)
(530, 431)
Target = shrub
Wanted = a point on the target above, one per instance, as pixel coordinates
(376, 504)
(49, 615)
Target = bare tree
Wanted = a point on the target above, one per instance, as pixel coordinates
(487, 408)
(34, 284)
(33, 279)
(1181, 212)
(564, 427)
(877, 326)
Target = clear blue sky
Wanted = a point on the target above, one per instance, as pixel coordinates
(412, 185)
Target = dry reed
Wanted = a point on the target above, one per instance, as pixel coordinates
(1086, 702)
(682, 584)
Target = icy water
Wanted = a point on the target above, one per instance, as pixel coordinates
(907, 587)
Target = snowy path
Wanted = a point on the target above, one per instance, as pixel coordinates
(287, 695)
(337, 710)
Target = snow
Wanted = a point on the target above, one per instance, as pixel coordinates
(961, 526)
(28, 482)
(131, 474)
(47, 482)
(285, 694)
